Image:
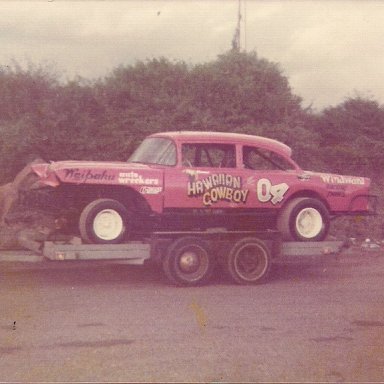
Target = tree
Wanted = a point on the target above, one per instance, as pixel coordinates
(241, 89)
(352, 135)
(236, 90)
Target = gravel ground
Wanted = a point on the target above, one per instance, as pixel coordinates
(85, 321)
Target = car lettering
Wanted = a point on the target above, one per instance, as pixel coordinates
(339, 179)
(133, 178)
(227, 194)
(266, 192)
(150, 190)
(79, 175)
(218, 187)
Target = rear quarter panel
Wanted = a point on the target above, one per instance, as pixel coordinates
(345, 194)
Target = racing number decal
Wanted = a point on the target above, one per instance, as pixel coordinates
(268, 192)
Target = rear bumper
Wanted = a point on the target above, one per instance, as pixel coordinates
(365, 204)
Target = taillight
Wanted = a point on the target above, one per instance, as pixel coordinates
(41, 170)
(47, 177)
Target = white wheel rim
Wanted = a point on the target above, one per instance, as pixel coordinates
(108, 224)
(309, 223)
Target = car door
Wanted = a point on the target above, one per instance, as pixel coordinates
(206, 177)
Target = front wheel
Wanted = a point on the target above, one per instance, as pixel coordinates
(103, 221)
(304, 219)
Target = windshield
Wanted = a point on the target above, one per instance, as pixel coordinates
(155, 150)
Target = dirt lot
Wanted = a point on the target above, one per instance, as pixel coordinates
(93, 322)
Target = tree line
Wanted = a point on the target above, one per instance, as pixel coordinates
(105, 119)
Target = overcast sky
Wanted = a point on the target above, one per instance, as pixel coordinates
(329, 50)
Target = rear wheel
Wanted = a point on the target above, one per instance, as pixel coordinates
(304, 219)
(188, 262)
(249, 261)
(103, 221)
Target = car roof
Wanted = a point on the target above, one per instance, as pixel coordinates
(227, 138)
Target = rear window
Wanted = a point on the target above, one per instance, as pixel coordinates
(263, 159)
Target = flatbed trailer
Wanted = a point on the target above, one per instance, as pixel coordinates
(189, 258)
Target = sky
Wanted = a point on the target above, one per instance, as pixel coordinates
(328, 50)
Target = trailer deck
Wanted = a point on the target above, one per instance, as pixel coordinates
(188, 258)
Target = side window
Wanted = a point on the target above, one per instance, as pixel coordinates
(262, 159)
(209, 155)
(188, 155)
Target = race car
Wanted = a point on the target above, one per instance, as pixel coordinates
(197, 181)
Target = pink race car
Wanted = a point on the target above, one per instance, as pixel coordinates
(187, 181)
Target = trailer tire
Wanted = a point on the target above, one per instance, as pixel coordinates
(188, 262)
(249, 261)
(304, 219)
(103, 221)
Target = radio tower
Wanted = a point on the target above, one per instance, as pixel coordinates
(236, 40)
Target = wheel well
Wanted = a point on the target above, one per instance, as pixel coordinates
(81, 195)
(309, 194)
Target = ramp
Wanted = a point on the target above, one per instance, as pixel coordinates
(131, 253)
(302, 252)
(20, 256)
(296, 248)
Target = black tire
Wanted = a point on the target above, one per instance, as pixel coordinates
(188, 262)
(249, 261)
(114, 228)
(291, 225)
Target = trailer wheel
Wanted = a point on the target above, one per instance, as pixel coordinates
(249, 261)
(304, 219)
(103, 221)
(188, 262)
